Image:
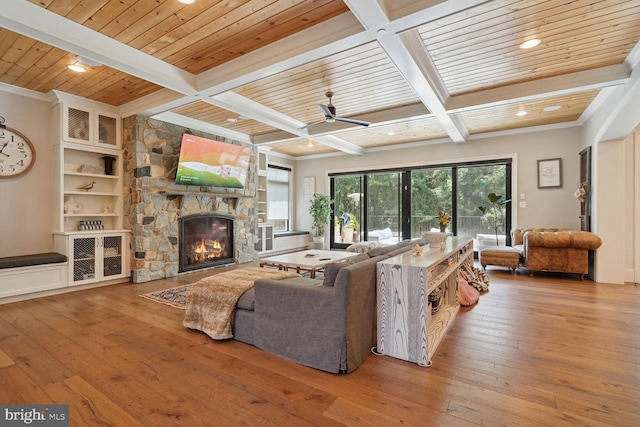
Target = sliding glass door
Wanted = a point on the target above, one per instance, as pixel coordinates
(403, 204)
(347, 194)
(474, 183)
(431, 193)
(384, 207)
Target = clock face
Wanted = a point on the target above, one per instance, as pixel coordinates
(17, 154)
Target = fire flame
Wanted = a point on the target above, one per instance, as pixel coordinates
(202, 249)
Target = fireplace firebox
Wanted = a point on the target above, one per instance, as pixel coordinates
(205, 240)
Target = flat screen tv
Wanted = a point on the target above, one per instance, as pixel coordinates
(212, 163)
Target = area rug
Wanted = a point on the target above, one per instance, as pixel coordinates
(174, 297)
(177, 297)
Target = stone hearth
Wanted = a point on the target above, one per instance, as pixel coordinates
(153, 202)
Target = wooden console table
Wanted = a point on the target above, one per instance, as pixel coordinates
(408, 328)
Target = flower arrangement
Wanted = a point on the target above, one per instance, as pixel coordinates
(444, 220)
(581, 193)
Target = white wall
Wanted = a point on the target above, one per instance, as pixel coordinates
(26, 202)
(550, 207)
(608, 220)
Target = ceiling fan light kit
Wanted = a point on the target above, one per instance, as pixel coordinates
(330, 116)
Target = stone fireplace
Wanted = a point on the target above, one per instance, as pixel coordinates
(154, 205)
(205, 240)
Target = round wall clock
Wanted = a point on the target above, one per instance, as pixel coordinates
(17, 154)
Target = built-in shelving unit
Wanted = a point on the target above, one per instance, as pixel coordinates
(265, 238)
(418, 299)
(88, 219)
(262, 189)
(102, 202)
(265, 230)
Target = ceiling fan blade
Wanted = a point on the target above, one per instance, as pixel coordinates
(327, 112)
(353, 121)
(313, 124)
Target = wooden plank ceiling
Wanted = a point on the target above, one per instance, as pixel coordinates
(256, 70)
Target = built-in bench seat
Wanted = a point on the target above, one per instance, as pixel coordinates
(27, 274)
(33, 259)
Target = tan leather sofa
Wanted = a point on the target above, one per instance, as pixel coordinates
(552, 249)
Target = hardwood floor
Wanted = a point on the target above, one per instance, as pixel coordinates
(549, 350)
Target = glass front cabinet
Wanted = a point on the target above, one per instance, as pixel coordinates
(93, 257)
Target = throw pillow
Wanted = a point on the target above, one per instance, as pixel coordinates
(467, 294)
(362, 247)
(331, 270)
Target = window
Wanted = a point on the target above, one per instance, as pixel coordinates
(403, 204)
(278, 184)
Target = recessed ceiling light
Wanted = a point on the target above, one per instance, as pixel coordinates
(309, 144)
(187, 1)
(391, 133)
(552, 108)
(232, 120)
(77, 68)
(87, 61)
(521, 113)
(530, 43)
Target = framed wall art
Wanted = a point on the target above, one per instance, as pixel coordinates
(309, 187)
(550, 173)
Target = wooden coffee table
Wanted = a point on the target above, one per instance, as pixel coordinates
(310, 260)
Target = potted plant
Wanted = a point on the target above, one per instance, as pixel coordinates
(320, 210)
(350, 228)
(494, 213)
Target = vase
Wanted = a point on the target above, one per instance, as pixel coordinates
(443, 228)
(347, 235)
(108, 164)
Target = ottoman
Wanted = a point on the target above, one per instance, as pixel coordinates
(504, 256)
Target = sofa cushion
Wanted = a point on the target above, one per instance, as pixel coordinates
(548, 239)
(383, 250)
(363, 247)
(247, 300)
(517, 234)
(331, 270)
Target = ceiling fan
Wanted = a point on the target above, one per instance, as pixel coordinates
(330, 115)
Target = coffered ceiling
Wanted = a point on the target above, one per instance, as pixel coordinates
(255, 70)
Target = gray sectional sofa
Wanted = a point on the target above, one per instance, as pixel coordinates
(327, 323)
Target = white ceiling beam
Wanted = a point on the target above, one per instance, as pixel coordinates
(405, 14)
(241, 105)
(403, 53)
(180, 120)
(581, 81)
(340, 33)
(322, 40)
(40, 24)
(274, 137)
(156, 103)
(413, 74)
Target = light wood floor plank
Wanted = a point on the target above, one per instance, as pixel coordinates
(548, 350)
